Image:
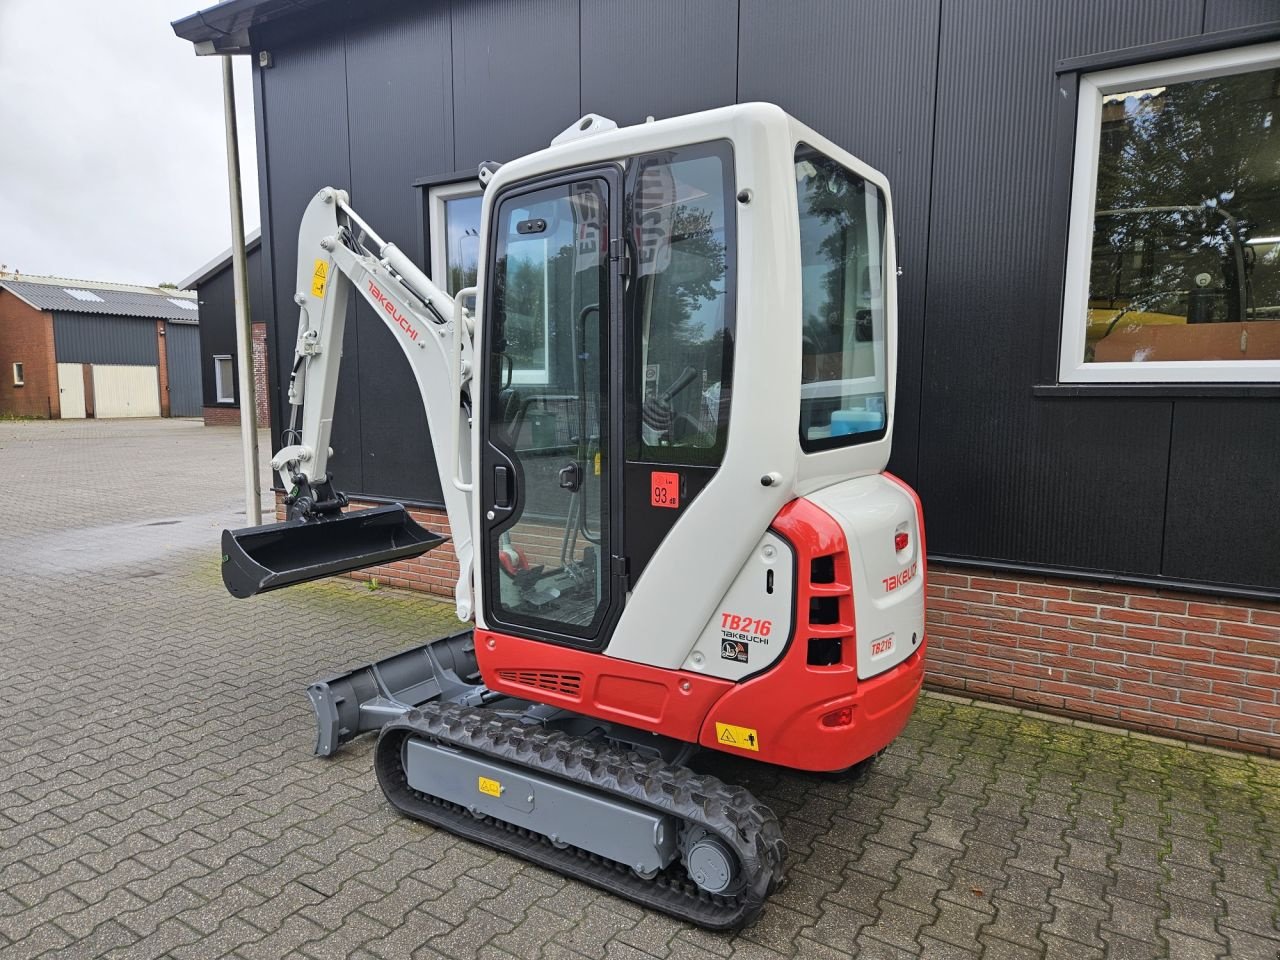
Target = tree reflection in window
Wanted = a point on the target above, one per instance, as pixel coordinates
(680, 221)
(1187, 213)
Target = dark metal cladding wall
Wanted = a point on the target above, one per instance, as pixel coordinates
(662, 59)
(303, 111)
(94, 338)
(1225, 14)
(400, 110)
(218, 320)
(1005, 475)
(1223, 522)
(182, 356)
(515, 76)
(863, 75)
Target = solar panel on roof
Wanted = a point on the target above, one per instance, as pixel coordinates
(184, 304)
(84, 295)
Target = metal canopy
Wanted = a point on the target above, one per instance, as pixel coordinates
(224, 27)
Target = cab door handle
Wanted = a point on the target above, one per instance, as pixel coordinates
(502, 487)
(570, 477)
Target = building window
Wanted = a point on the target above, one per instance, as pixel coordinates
(455, 234)
(1173, 264)
(842, 263)
(18, 378)
(224, 380)
(454, 212)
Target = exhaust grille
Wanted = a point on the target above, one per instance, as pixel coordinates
(565, 683)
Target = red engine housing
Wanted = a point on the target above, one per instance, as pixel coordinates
(796, 714)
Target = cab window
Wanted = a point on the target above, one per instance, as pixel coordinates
(680, 303)
(843, 374)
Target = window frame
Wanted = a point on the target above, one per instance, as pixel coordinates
(219, 395)
(19, 374)
(1093, 86)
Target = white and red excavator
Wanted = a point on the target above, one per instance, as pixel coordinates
(661, 418)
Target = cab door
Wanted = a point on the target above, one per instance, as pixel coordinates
(550, 541)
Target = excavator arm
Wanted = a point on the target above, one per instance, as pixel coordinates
(338, 252)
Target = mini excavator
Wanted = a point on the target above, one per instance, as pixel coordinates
(661, 417)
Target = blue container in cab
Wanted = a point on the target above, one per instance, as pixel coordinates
(845, 422)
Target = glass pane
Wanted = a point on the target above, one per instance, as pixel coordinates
(842, 392)
(462, 243)
(680, 220)
(1186, 235)
(550, 323)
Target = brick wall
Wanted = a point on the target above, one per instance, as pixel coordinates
(1176, 664)
(261, 396)
(26, 337)
(162, 351)
(221, 416)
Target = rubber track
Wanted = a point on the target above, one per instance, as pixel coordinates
(731, 813)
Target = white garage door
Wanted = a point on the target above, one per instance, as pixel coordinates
(125, 391)
(71, 390)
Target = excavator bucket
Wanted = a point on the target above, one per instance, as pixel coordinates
(275, 555)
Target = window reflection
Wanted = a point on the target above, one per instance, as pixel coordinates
(680, 225)
(1186, 235)
(842, 219)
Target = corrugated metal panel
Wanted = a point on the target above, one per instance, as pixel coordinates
(89, 298)
(1223, 524)
(304, 114)
(125, 391)
(1225, 14)
(628, 75)
(1005, 476)
(399, 56)
(81, 338)
(182, 351)
(863, 75)
(515, 76)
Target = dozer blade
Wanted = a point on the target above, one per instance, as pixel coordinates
(371, 696)
(275, 555)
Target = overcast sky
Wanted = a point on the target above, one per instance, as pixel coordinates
(112, 145)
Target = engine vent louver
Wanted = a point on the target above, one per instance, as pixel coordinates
(565, 683)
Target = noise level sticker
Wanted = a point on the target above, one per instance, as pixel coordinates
(744, 738)
(319, 277)
(490, 787)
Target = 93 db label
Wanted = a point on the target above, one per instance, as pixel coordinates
(664, 490)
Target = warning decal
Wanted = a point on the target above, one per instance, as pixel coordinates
(491, 787)
(319, 277)
(744, 738)
(664, 489)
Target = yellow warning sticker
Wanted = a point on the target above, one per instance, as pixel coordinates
(597, 464)
(491, 787)
(744, 738)
(319, 277)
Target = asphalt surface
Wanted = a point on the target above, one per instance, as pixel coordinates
(158, 796)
